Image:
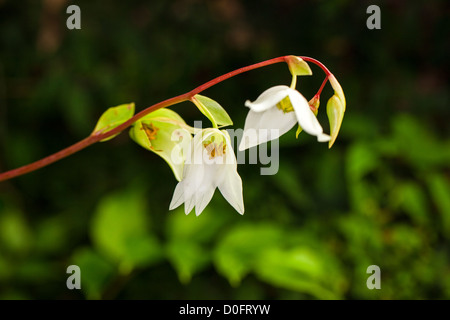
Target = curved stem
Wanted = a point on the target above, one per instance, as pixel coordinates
(322, 86)
(318, 63)
(95, 137)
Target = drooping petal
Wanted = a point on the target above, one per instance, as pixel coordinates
(268, 98)
(305, 117)
(193, 180)
(264, 126)
(203, 199)
(178, 196)
(205, 192)
(231, 189)
(228, 180)
(201, 178)
(193, 175)
(189, 205)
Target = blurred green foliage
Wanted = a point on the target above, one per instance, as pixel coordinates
(379, 196)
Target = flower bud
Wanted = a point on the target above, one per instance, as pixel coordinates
(335, 112)
(314, 104)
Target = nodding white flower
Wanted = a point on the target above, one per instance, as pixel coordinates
(210, 164)
(274, 113)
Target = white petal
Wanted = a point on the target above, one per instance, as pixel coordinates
(189, 205)
(203, 197)
(305, 117)
(228, 180)
(268, 98)
(231, 189)
(178, 196)
(193, 176)
(264, 126)
(250, 135)
(230, 157)
(323, 137)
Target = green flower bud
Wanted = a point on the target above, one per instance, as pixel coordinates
(335, 112)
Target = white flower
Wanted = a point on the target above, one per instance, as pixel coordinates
(210, 163)
(274, 113)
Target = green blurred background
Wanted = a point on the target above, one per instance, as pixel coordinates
(380, 196)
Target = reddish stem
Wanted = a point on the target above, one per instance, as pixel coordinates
(95, 137)
(322, 86)
(318, 63)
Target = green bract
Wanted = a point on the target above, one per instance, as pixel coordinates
(112, 118)
(165, 133)
(298, 67)
(212, 110)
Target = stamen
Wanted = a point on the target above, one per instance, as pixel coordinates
(150, 130)
(285, 105)
(215, 150)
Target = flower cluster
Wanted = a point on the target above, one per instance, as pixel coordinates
(203, 159)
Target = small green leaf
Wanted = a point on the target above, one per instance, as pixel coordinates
(212, 110)
(15, 235)
(439, 187)
(187, 257)
(202, 229)
(298, 67)
(236, 254)
(120, 231)
(361, 160)
(96, 272)
(413, 200)
(165, 133)
(112, 118)
(298, 269)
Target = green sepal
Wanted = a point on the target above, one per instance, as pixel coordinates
(212, 110)
(298, 67)
(112, 118)
(165, 133)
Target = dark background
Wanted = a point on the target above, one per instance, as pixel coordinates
(380, 196)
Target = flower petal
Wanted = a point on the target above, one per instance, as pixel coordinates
(305, 117)
(178, 196)
(231, 189)
(193, 176)
(264, 126)
(203, 197)
(200, 179)
(268, 98)
(228, 180)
